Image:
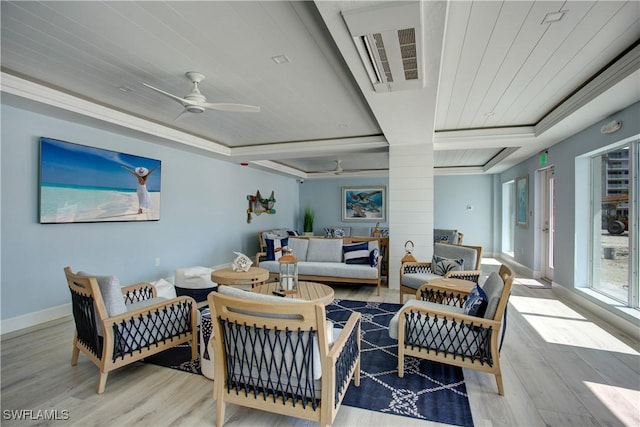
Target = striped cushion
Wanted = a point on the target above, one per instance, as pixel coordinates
(357, 253)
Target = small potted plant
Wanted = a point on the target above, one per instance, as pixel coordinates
(309, 216)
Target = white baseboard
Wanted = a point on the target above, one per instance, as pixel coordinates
(33, 319)
(48, 314)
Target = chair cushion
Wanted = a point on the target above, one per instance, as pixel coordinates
(469, 255)
(356, 253)
(393, 323)
(299, 248)
(443, 336)
(492, 287)
(449, 236)
(441, 265)
(274, 247)
(252, 296)
(325, 250)
(476, 303)
(415, 280)
(111, 293)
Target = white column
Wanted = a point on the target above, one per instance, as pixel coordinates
(410, 198)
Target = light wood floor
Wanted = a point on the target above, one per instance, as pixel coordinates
(561, 367)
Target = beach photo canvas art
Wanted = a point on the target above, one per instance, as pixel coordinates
(79, 183)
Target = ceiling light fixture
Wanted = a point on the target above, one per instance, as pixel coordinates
(281, 59)
(552, 17)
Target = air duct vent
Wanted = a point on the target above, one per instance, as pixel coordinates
(387, 38)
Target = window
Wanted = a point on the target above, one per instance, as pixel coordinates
(614, 212)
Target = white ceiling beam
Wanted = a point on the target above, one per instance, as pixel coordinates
(54, 98)
(322, 148)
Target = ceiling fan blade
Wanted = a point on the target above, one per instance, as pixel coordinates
(183, 101)
(238, 108)
(184, 113)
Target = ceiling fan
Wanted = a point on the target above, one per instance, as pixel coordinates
(337, 170)
(196, 102)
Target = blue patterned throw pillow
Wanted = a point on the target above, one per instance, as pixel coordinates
(373, 257)
(274, 248)
(357, 253)
(476, 303)
(442, 266)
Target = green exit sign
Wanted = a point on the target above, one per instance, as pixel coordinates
(543, 157)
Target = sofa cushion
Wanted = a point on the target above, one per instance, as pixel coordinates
(469, 255)
(327, 269)
(356, 253)
(299, 248)
(338, 269)
(274, 247)
(441, 265)
(325, 250)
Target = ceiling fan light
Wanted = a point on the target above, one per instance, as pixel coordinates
(194, 109)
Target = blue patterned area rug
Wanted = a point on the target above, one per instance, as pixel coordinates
(429, 390)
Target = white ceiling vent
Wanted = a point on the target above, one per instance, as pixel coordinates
(388, 39)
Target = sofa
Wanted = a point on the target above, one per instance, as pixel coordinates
(325, 260)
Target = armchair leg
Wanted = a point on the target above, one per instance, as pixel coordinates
(74, 355)
(400, 360)
(220, 411)
(102, 382)
(499, 383)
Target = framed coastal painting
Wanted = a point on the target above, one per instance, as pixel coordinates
(522, 201)
(364, 203)
(79, 183)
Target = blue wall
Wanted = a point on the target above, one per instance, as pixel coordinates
(203, 215)
(453, 194)
(325, 195)
(571, 242)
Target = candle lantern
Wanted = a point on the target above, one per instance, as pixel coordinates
(288, 272)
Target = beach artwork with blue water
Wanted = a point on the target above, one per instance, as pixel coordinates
(79, 183)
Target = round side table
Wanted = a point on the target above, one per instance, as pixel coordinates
(254, 277)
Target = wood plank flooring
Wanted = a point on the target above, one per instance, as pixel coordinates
(561, 367)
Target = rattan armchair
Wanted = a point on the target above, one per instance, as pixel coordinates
(275, 354)
(414, 274)
(145, 326)
(435, 327)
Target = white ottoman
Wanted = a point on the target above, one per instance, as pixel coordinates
(194, 282)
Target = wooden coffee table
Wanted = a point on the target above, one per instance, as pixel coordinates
(254, 277)
(310, 291)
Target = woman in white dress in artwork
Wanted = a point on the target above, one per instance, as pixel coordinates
(144, 200)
